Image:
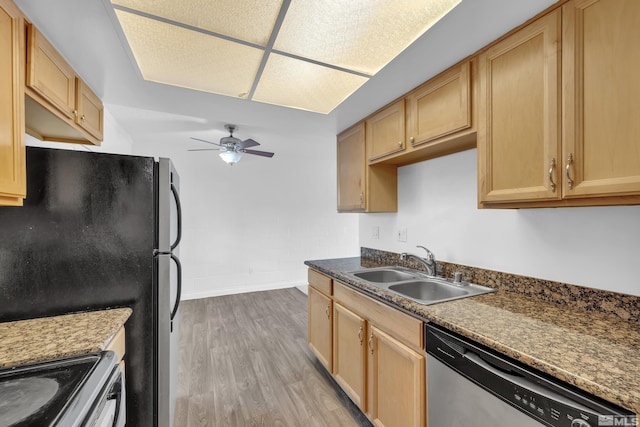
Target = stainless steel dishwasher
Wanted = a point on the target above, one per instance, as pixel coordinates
(468, 385)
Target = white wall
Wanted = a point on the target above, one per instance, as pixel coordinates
(251, 226)
(116, 139)
(594, 246)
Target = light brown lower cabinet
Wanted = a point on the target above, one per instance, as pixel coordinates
(117, 345)
(349, 353)
(378, 355)
(396, 382)
(320, 326)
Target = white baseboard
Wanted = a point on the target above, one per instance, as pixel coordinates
(303, 288)
(243, 289)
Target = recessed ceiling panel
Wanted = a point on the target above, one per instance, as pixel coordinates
(359, 35)
(173, 55)
(298, 84)
(248, 20)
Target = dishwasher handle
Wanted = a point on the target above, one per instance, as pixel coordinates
(523, 382)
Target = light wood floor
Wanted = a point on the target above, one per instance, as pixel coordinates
(244, 361)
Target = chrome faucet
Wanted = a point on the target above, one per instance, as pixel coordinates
(429, 261)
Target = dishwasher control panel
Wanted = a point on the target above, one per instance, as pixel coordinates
(551, 402)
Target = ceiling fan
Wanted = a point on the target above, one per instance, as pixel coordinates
(232, 148)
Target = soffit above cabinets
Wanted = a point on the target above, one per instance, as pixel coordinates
(309, 55)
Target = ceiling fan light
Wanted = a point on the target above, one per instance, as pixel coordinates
(231, 157)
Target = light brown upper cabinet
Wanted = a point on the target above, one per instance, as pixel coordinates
(59, 106)
(440, 107)
(438, 117)
(518, 130)
(90, 110)
(363, 188)
(559, 122)
(12, 151)
(601, 99)
(386, 132)
(49, 75)
(351, 169)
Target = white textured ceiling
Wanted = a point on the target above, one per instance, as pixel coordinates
(87, 34)
(267, 51)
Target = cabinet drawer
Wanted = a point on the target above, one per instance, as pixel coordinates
(321, 282)
(117, 344)
(402, 326)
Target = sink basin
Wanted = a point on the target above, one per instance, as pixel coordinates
(418, 286)
(386, 275)
(428, 290)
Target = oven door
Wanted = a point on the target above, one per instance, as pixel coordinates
(73, 392)
(110, 408)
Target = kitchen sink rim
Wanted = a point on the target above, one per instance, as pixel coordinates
(471, 289)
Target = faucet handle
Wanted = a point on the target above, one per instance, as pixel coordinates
(430, 255)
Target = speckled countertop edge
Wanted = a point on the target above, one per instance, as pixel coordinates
(57, 337)
(596, 353)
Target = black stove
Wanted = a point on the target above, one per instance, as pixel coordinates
(64, 392)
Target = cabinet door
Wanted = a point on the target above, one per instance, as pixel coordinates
(320, 326)
(440, 107)
(90, 110)
(601, 106)
(518, 129)
(49, 75)
(118, 346)
(351, 169)
(396, 382)
(349, 353)
(385, 132)
(12, 151)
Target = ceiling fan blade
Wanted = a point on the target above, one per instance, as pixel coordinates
(208, 142)
(206, 149)
(248, 143)
(258, 153)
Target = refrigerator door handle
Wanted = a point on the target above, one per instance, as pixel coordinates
(174, 190)
(179, 286)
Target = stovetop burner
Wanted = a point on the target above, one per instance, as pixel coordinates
(38, 394)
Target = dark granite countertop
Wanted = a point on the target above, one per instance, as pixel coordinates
(56, 337)
(597, 353)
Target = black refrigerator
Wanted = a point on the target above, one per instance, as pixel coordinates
(101, 231)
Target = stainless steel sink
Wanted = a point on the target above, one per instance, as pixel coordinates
(417, 285)
(428, 290)
(384, 275)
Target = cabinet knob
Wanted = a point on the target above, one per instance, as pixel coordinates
(551, 169)
(568, 171)
(360, 335)
(75, 113)
(82, 117)
(371, 343)
(326, 310)
(400, 144)
(412, 140)
(361, 198)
